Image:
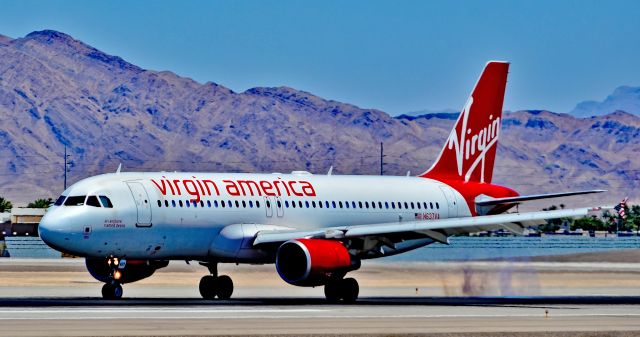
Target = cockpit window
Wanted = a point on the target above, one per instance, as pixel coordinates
(106, 202)
(60, 200)
(75, 201)
(92, 200)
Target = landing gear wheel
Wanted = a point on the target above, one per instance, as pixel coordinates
(225, 287)
(345, 290)
(111, 291)
(332, 292)
(212, 287)
(349, 290)
(208, 286)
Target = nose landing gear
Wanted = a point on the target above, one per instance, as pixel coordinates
(112, 289)
(212, 286)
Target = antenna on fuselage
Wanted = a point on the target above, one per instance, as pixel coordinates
(408, 173)
(330, 171)
(119, 168)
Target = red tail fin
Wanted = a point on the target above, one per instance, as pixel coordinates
(470, 150)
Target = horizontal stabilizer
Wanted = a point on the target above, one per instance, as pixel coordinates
(487, 201)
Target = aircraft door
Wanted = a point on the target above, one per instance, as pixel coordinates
(143, 204)
(279, 209)
(268, 206)
(452, 207)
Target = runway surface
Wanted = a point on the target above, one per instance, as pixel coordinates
(304, 316)
(59, 298)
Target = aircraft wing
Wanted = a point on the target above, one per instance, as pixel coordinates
(439, 230)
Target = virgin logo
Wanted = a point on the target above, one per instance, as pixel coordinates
(472, 142)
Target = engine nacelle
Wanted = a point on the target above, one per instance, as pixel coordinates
(313, 262)
(134, 270)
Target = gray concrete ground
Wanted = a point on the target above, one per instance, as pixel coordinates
(59, 298)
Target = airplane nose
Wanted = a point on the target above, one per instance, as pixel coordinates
(53, 230)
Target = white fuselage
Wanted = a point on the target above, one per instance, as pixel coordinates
(181, 215)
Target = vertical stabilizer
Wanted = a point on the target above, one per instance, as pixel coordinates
(469, 152)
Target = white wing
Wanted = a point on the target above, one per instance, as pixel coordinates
(438, 230)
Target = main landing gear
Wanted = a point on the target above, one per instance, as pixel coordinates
(345, 290)
(112, 289)
(212, 286)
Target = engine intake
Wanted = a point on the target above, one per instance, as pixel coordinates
(134, 270)
(313, 262)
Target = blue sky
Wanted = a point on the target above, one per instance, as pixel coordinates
(396, 56)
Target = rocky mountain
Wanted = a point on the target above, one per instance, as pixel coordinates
(56, 91)
(624, 98)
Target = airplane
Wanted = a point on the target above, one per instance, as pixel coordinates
(314, 228)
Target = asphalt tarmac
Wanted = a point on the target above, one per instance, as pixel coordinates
(58, 298)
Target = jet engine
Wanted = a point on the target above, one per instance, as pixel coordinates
(313, 262)
(134, 270)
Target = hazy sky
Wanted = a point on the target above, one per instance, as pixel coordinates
(396, 56)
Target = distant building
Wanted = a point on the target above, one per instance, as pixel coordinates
(21, 222)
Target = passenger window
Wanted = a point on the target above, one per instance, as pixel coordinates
(201, 203)
(366, 204)
(412, 205)
(180, 203)
(320, 204)
(173, 203)
(251, 204)
(159, 202)
(313, 203)
(244, 204)
(353, 204)
(237, 204)
(333, 203)
(359, 204)
(166, 203)
(306, 203)
(406, 205)
(188, 203)
(346, 204)
(75, 201)
(300, 203)
(209, 203)
(393, 205)
(222, 203)
(279, 204)
(437, 206)
(92, 200)
(258, 204)
(293, 204)
(340, 204)
(425, 205)
(268, 204)
(373, 204)
(60, 200)
(399, 205)
(431, 204)
(380, 204)
(386, 204)
(326, 203)
(229, 203)
(286, 203)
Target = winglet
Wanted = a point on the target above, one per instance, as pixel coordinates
(119, 168)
